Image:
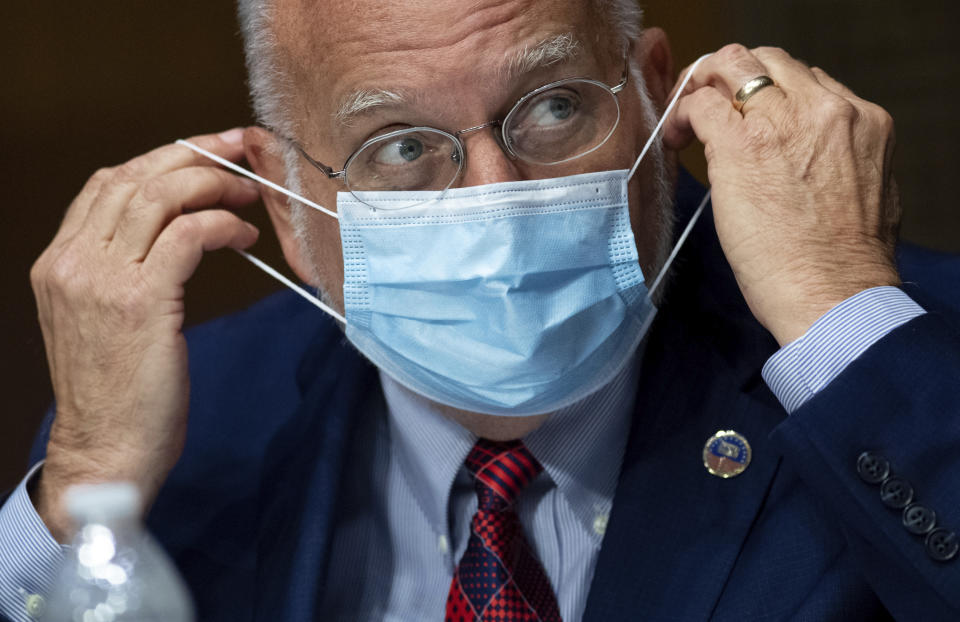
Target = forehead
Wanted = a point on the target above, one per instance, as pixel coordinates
(333, 48)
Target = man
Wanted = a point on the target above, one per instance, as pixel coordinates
(298, 482)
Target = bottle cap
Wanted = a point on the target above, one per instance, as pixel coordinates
(102, 502)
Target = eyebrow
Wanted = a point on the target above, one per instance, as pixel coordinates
(552, 50)
(363, 101)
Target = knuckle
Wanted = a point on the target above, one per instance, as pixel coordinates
(184, 230)
(38, 272)
(120, 187)
(131, 169)
(769, 51)
(733, 51)
(102, 176)
(64, 272)
(837, 108)
(883, 119)
(154, 190)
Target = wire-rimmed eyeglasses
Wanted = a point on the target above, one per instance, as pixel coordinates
(555, 123)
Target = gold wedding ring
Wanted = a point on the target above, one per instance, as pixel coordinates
(750, 89)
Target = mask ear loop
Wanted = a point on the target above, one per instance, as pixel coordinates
(314, 300)
(706, 198)
(266, 182)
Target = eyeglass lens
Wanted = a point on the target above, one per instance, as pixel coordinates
(414, 159)
(566, 121)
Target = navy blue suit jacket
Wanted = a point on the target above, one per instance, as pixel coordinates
(248, 511)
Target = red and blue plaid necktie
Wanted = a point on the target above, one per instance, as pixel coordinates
(499, 579)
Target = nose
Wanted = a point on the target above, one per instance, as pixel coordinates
(486, 161)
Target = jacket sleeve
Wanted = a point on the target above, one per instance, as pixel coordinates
(881, 445)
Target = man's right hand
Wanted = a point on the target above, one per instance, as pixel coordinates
(109, 290)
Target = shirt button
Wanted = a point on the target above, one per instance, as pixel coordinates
(942, 545)
(442, 545)
(919, 519)
(872, 468)
(600, 524)
(896, 493)
(35, 605)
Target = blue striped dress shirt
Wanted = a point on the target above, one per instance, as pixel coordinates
(29, 556)
(799, 370)
(415, 518)
(405, 523)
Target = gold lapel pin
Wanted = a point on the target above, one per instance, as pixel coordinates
(726, 454)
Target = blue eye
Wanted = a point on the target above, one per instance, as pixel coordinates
(410, 149)
(552, 110)
(398, 153)
(561, 107)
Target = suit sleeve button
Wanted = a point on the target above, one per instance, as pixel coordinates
(896, 493)
(942, 545)
(35, 604)
(872, 468)
(919, 519)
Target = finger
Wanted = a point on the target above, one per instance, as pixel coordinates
(727, 70)
(110, 203)
(179, 248)
(790, 74)
(706, 114)
(163, 198)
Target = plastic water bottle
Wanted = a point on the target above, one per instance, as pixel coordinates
(115, 572)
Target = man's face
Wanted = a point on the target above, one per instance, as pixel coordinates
(451, 65)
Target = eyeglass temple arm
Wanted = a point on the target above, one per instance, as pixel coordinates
(623, 79)
(326, 170)
(331, 174)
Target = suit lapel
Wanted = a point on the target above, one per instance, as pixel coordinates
(675, 530)
(299, 488)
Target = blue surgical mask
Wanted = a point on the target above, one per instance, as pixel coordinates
(514, 299)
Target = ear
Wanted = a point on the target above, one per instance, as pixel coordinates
(263, 152)
(652, 54)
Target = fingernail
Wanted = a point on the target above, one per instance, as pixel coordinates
(233, 137)
(253, 229)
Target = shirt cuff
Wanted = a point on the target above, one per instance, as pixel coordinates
(30, 557)
(804, 367)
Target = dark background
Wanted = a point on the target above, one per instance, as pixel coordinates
(87, 87)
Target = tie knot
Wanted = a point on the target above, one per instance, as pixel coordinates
(503, 468)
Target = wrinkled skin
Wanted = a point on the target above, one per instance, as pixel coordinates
(109, 291)
(806, 207)
(804, 201)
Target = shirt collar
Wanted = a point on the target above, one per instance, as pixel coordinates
(581, 447)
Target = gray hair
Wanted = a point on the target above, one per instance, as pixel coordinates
(271, 87)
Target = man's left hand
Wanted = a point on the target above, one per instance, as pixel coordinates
(804, 200)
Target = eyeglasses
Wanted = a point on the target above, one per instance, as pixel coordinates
(556, 123)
